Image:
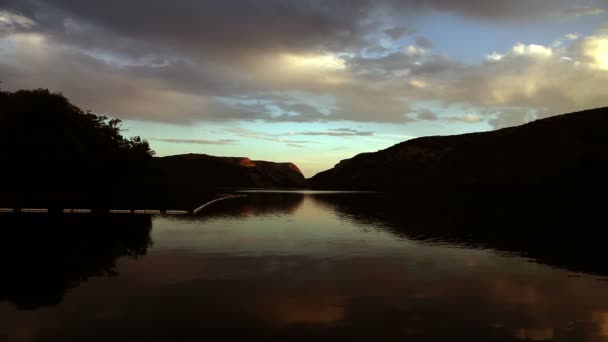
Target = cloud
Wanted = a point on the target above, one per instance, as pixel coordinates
(424, 42)
(418, 83)
(495, 56)
(13, 22)
(508, 118)
(572, 36)
(532, 50)
(198, 141)
(582, 11)
(251, 134)
(532, 82)
(467, 118)
(595, 51)
(186, 23)
(414, 50)
(397, 32)
(426, 115)
(231, 60)
(287, 138)
(339, 132)
(486, 10)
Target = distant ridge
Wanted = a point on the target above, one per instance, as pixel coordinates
(205, 171)
(569, 151)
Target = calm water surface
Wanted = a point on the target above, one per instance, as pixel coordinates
(287, 265)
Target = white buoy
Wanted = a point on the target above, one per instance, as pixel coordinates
(119, 211)
(176, 212)
(34, 210)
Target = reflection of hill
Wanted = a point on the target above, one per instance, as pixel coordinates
(559, 229)
(42, 257)
(152, 198)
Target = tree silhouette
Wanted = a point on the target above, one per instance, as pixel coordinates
(50, 144)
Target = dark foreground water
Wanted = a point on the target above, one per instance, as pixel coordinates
(304, 265)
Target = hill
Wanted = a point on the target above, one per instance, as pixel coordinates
(204, 171)
(48, 144)
(569, 150)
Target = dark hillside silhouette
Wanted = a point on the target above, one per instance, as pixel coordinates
(563, 152)
(50, 144)
(56, 155)
(201, 171)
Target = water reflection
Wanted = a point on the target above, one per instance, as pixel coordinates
(255, 204)
(554, 228)
(42, 257)
(332, 267)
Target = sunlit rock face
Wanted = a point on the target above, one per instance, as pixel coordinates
(205, 171)
(563, 151)
(246, 162)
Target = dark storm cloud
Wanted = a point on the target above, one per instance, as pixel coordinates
(210, 28)
(241, 27)
(517, 10)
(583, 10)
(189, 60)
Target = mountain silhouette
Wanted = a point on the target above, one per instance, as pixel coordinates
(567, 151)
(51, 145)
(205, 171)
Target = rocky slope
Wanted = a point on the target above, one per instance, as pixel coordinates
(569, 150)
(205, 171)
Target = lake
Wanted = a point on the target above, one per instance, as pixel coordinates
(303, 265)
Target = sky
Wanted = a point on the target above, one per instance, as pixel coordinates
(308, 81)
